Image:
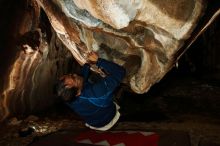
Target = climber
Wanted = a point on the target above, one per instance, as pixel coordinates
(93, 102)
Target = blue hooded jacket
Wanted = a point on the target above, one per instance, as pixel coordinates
(95, 105)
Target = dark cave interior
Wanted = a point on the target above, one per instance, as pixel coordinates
(189, 90)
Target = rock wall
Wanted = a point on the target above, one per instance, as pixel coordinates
(33, 60)
(144, 36)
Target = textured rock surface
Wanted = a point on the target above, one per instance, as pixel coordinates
(38, 58)
(142, 35)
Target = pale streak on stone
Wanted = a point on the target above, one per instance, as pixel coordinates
(17, 78)
(108, 11)
(32, 58)
(64, 37)
(77, 14)
(54, 22)
(12, 83)
(168, 43)
(22, 70)
(188, 27)
(23, 78)
(45, 50)
(87, 37)
(137, 82)
(34, 73)
(131, 7)
(150, 14)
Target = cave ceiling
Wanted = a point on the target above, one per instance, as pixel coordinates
(144, 36)
(141, 35)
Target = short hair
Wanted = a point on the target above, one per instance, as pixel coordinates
(64, 93)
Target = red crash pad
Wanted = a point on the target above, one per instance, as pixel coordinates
(119, 138)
